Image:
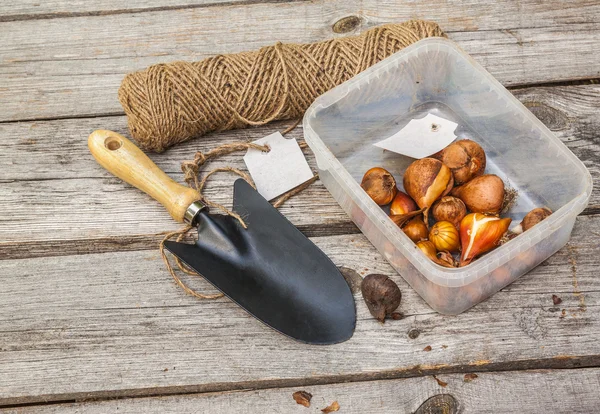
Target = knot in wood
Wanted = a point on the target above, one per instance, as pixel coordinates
(439, 404)
(346, 24)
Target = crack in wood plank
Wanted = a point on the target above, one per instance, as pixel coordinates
(69, 332)
(47, 248)
(135, 10)
(558, 362)
(556, 46)
(514, 87)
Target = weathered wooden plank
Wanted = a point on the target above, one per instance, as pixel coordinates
(70, 205)
(80, 73)
(458, 16)
(110, 324)
(51, 150)
(556, 391)
(70, 197)
(53, 9)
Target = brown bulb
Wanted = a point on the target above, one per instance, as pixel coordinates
(465, 158)
(480, 234)
(402, 204)
(381, 294)
(428, 248)
(380, 185)
(426, 180)
(534, 217)
(484, 194)
(444, 236)
(450, 209)
(416, 230)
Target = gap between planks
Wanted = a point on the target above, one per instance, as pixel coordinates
(72, 338)
(83, 70)
(558, 362)
(462, 17)
(568, 391)
(54, 248)
(136, 10)
(514, 87)
(31, 158)
(31, 249)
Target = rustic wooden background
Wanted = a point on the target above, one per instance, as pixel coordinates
(91, 322)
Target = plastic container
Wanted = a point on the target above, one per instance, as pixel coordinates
(435, 76)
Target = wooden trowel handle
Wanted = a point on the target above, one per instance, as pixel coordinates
(122, 158)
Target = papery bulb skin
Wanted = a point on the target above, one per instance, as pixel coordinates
(428, 248)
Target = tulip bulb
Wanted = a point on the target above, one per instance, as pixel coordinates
(426, 180)
(465, 158)
(401, 219)
(380, 185)
(447, 259)
(402, 204)
(479, 234)
(444, 236)
(416, 230)
(484, 194)
(428, 248)
(531, 219)
(450, 209)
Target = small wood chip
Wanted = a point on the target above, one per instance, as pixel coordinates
(302, 398)
(397, 316)
(444, 346)
(470, 377)
(440, 382)
(556, 300)
(427, 348)
(333, 407)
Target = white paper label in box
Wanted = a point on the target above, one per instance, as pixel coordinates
(279, 170)
(421, 138)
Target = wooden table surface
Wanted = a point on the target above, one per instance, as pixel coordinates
(90, 321)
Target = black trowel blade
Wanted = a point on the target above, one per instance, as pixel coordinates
(271, 270)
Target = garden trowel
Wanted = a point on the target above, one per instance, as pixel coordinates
(270, 268)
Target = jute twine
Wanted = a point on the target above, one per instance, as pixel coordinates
(170, 103)
(191, 170)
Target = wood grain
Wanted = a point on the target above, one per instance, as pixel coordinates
(101, 325)
(56, 9)
(80, 74)
(457, 16)
(88, 312)
(556, 391)
(71, 205)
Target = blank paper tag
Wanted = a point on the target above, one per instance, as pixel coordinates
(279, 170)
(421, 138)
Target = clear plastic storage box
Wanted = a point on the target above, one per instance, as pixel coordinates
(435, 76)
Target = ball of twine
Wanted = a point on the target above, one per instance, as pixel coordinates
(171, 103)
